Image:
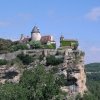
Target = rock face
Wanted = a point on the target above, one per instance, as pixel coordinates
(72, 67)
(9, 74)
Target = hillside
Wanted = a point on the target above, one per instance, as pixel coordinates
(93, 81)
(92, 67)
(5, 45)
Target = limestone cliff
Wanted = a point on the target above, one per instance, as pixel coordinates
(72, 66)
(73, 69)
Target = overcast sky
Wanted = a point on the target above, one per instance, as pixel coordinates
(74, 19)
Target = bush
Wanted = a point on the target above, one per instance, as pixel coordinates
(52, 60)
(50, 46)
(3, 62)
(35, 44)
(19, 47)
(41, 57)
(26, 59)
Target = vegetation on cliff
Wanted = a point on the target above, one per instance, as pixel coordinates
(7, 46)
(52, 60)
(3, 62)
(36, 84)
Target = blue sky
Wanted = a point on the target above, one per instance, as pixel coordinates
(75, 19)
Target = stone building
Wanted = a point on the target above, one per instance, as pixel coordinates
(68, 43)
(35, 34)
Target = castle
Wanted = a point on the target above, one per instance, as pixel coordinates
(72, 66)
(48, 40)
(36, 36)
(73, 63)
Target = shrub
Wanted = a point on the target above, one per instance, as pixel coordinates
(51, 46)
(26, 59)
(35, 44)
(41, 57)
(3, 62)
(19, 47)
(52, 60)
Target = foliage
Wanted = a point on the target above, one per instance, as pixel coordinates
(9, 46)
(35, 44)
(68, 43)
(93, 67)
(93, 82)
(26, 59)
(5, 45)
(82, 53)
(41, 57)
(50, 46)
(12, 92)
(52, 60)
(93, 76)
(19, 47)
(35, 84)
(3, 62)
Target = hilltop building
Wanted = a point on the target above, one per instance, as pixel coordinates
(35, 34)
(47, 41)
(24, 39)
(68, 43)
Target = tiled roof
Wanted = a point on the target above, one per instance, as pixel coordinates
(45, 39)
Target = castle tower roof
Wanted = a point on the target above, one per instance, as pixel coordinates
(35, 30)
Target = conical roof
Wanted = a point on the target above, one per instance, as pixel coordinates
(35, 30)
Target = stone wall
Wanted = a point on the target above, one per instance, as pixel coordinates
(45, 52)
(9, 56)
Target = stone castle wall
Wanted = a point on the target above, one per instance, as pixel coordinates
(45, 52)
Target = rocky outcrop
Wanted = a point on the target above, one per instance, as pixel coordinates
(9, 74)
(10, 56)
(72, 67)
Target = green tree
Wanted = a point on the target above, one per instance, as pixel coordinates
(35, 44)
(3, 62)
(18, 47)
(41, 85)
(12, 92)
(52, 60)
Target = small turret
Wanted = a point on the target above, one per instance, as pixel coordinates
(21, 38)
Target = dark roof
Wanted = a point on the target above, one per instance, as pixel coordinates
(45, 39)
(35, 30)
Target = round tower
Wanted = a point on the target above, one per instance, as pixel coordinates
(35, 34)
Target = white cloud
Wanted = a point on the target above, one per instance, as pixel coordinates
(94, 14)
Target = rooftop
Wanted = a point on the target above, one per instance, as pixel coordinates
(35, 30)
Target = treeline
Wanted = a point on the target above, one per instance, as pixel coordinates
(93, 67)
